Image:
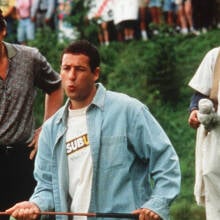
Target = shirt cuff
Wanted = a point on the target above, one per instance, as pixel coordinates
(159, 206)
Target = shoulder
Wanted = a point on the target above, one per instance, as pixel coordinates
(209, 59)
(124, 101)
(214, 50)
(21, 49)
(203, 78)
(120, 96)
(113, 102)
(213, 53)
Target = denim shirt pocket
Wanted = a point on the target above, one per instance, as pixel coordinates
(112, 153)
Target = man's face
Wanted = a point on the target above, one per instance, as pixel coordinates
(78, 80)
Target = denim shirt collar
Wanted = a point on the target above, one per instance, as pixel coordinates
(99, 97)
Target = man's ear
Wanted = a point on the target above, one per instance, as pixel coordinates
(96, 73)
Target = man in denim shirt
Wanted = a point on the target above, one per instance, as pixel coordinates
(102, 152)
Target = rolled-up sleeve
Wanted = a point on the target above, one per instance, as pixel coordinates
(46, 78)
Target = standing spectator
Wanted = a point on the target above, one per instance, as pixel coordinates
(22, 70)
(65, 28)
(217, 14)
(155, 10)
(10, 15)
(100, 12)
(43, 13)
(104, 16)
(125, 18)
(184, 11)
(203, 14)
(143, 18)
(169, 10)
(91, 7)
(102, 152)
(25, 28)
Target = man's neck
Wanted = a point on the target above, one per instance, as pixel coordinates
(3, 53)
(3, 62)
(76, 104)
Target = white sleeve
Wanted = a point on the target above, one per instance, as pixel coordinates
(203, 78)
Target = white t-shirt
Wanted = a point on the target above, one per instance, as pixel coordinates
(79, 161)
(203, 79)
(105, 10)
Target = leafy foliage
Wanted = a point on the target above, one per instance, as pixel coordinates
(87, 29)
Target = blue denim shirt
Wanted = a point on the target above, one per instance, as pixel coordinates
(134, 163)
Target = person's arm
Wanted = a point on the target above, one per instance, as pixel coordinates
(10, 10)
(154, 148)
(53, 102)
(34, 8)
(50, 10)
(195, 100)
(48, 80)
(193, 108)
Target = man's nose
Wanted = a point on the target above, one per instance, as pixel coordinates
(72, 73)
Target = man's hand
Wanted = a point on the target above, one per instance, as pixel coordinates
(146, 214)
(34, 143)
(193, 119)
(24, 211)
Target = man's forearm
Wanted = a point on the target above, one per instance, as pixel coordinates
(53, 102)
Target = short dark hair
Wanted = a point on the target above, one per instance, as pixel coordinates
(86, 48)
(3, 23)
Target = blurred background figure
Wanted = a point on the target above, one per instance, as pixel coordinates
(203, 14)
(125, 18)
(43, 13)
(155, 10)
(169, 12)
(216, 19)
(143, 18)
(65, 28)
(10, 15)
(184, 12)
(104, 16)
(25, 28)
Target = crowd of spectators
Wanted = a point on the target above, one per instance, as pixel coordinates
(127, 19)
